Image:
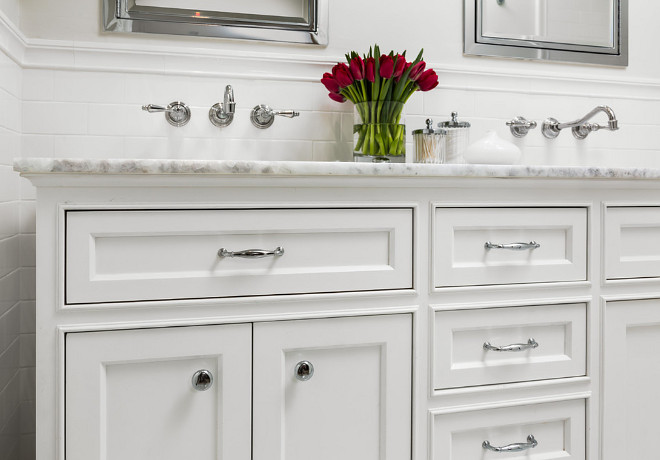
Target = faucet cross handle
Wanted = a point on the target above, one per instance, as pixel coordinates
(262, 116)
(222, 114)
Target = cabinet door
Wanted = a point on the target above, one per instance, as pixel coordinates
(631, 372)
(355, 405)
(130, 394)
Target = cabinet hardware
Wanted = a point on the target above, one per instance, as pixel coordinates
(202, 380)
(531, 343)
(517, 447)
(512, 246)
(251, 253)
(304, 371)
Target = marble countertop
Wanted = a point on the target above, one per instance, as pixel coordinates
(30, 166)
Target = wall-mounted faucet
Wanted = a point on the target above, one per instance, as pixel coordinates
(177, 113)
(262, 116)
(580, 128)
(222, 114)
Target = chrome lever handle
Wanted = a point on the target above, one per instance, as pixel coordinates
(262, 116)
(517, 447)
(531, 344)
(512, 246)
(251, 253)
(286, 113)
(153, 108)
(177, 113)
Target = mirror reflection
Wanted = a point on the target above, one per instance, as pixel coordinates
(587, 31)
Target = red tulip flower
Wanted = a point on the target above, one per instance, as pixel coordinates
(330, 83)
(399, 66)
(428, 80)
(357, 68)
(386, 66)
(342, 74)
(370, 69)
(337, 97)
(417, 70)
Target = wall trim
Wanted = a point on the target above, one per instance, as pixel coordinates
(202, 62)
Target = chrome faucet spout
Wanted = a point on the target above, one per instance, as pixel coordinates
(612, 121)
(580, 127)
(222, 114)
(229, 105)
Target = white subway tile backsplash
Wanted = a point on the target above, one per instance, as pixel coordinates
(28, 283)
(88, 87)
(27, 217)
(9, 255)
(9, 212)
(55, 117)
(38, 85)
(9, 291)
(87, 146)
(37, 145)
(9, 364)
(10, 325)
(27, 350)
(10, 146)
(28, 316)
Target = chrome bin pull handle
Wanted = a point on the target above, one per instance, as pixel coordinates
(517, 447)
(251, 253)
(512, 246)
(531, 343)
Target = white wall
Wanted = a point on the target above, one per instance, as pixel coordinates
(10, 241)
(81, 89)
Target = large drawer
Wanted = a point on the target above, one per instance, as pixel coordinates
(114, 256)
(461, 256)
(631, 242)
(558, 429)
(513, 344)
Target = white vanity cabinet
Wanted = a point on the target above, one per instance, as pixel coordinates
(353, 312)
(338, 386)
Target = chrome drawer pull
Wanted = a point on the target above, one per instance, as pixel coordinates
(512, 246)
(517, 447)
(531, 343)
(251, 253)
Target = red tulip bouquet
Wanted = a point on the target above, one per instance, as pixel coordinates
(379, 85)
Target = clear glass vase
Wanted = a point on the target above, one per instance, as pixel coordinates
(379, 132)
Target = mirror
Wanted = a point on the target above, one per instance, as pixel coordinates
(586, 31)
(295, 21)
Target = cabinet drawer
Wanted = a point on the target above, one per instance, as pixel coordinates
(462, 358)
(631, 242)
(558, 428)
(461, 258)
(114, 256)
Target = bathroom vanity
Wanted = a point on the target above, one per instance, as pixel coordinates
(278, 310)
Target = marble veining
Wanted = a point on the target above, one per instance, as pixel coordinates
(28, 166)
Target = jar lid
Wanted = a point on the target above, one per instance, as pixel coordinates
(454, 123)
(427, 130)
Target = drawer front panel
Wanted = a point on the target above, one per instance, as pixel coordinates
(114, 256)
(558, 428)
(461, 258)
(553, 339)
(631, 242)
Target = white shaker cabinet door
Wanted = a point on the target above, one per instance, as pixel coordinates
(356, 405)
(631, 372)
(130, 394)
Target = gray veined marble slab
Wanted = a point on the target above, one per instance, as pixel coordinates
(313, 168)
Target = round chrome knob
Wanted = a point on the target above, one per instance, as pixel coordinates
(202, 380)
(304, 371)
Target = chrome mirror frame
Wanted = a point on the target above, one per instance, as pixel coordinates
(475, 44)
(126, 16)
